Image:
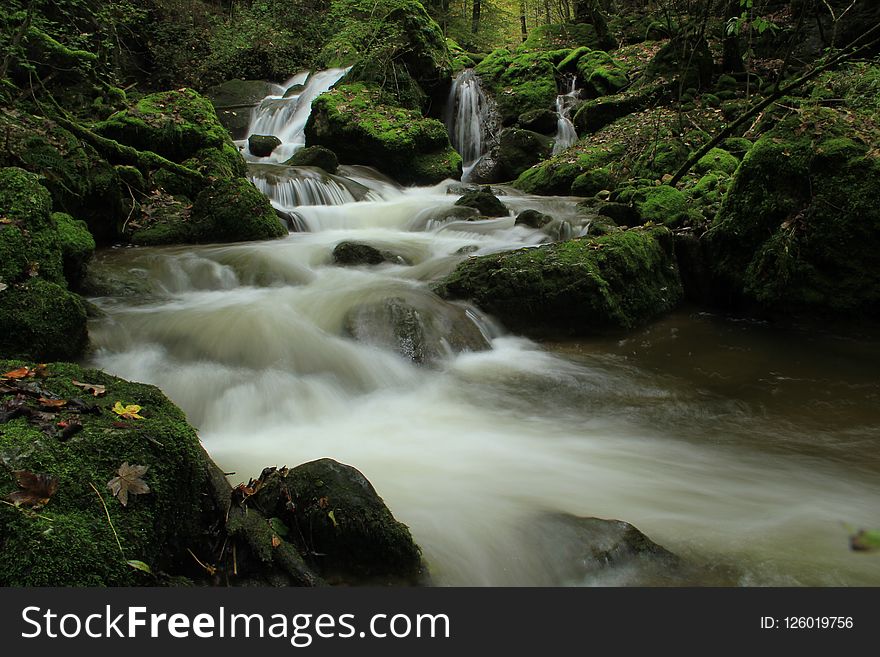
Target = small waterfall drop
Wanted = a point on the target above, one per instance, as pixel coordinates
(286, 117)
(469, 119)
(566, 135)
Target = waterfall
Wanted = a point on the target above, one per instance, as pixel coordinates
(469, 118)
(286, 117)
(566, 135)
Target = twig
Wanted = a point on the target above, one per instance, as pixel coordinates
(110, 522)
(26, 512)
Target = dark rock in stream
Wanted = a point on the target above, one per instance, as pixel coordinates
(423, 329)
(358, 253)
(485, 202)
(315, 156)
(263, 145)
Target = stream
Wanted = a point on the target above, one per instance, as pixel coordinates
(746, 449)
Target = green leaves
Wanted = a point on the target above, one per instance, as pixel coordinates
(865, 540)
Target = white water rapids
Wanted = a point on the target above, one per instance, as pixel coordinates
(741, 449)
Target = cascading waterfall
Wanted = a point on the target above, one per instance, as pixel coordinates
(468, 119)
(286, 117)
(722, 441)
(566, 134)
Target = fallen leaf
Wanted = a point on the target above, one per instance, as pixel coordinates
(41, 371)
(128, 481)
(94, 388)
(275, 541)
(332, 516)
(20, 373)
(52, 403)
(129, 411)
(36, 489)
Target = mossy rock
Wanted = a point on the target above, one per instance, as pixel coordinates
(357, 253)
(664, 158)
(594, 115)
(559, 36)
(717, 160)
(174, 124)
(518, 82)
(315, 156)
(543, 121)
(660, 205)
(578, 287)
(600, 73)
(70, 541)
(485, 202)
(520, 149)
(79, 180)
(592, 182)
(41, 320)
(351, 533)
(351, 121)
(233, 211)
(737, 146)
(233, 101)
(798, 230)
(77, 247)
(533, 219)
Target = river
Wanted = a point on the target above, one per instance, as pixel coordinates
(748, 450)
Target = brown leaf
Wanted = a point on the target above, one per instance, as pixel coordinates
(36, 489)
(52, 403)
(94, 388)
(20, 373)
(128, 481)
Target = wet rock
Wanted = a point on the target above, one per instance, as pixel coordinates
(263, 145)
(485, 202)
(335, 518)
(577, 287)
(533, 219)
(358, 253)
(520, 149)
(234, 100)
(315, 156)
(422, 329)
(294, 90)
(543, 121)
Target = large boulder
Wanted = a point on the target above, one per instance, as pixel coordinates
(352, 121)
(577, 287)
(76, 446)
(39, 318)
(520, 149)
(334, 516)
(799, 229)
(263, 145)
(484, 202)
(315, 156)
(234, 100)
(598, 71)
(174, 124)
(518, 81)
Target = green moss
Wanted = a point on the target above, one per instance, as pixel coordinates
(717, 160)
(581, 286)
(662, 205)
(77, 247)
(351, 121)
(41, 320)
(558, 36)
(70, 542)
(664, 157)
(737, 146)
(601, 73)
(518, 82)
(232, 211)
(798, 230)
(592, 182)
(683, 64)
(315, 156)
(520, 149)
(174, 124)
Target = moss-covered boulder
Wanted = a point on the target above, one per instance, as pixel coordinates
(799, 230)
(352, 121)
(717, 160)
(533, 219)
(520, 149)
(682, 64)
(39, 318)
(659, 204)
(174, 124)
(598, 71)
(315, 156)
(558, 36)
(357, 253)
(233, 211)
(343, 525)
(576, 287)
(79, 180)
(594, 115)
(518, 81)
(80, 445)
(77, 247)
(543, 121)
(484, 201)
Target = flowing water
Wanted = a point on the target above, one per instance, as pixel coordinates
(566, 134)
(741, 447)
(469, 119)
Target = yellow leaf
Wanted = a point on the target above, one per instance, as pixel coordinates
(129, 412)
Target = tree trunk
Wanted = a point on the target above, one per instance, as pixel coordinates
(522, 20)
(475, 17)
(732, 57)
